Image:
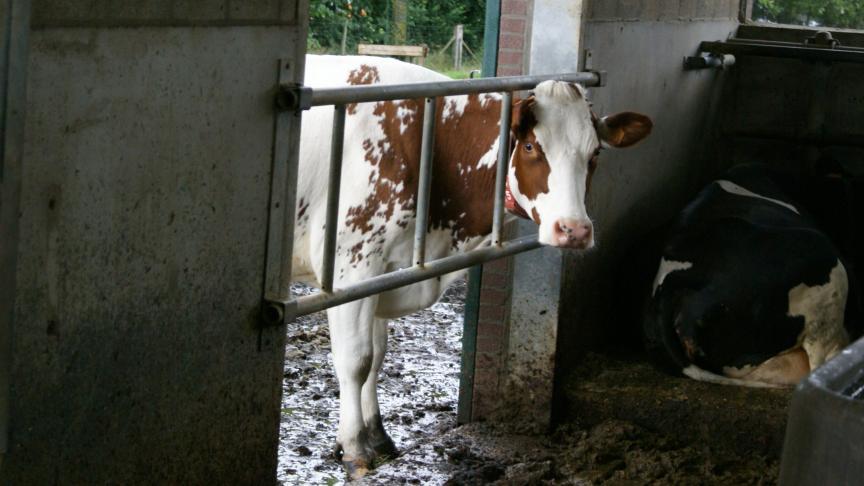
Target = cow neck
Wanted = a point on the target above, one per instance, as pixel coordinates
(510, 203)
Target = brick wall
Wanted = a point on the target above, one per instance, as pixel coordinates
(493, 322)
(514, 35)
(492, 333)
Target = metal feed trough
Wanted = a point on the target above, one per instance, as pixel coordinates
(825, 434)
(292, 100)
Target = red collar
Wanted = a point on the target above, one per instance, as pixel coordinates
(510, 203)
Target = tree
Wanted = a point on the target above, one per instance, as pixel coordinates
(429, 22)
(813, 13)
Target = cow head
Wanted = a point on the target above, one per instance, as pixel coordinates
(556, 142)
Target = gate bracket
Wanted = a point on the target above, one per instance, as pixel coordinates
(275, 312)
(601, 78)
(293, 97)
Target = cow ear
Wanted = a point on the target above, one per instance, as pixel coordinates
(623, 129)
(522, 120)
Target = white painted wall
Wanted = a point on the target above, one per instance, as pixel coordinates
(555, 33)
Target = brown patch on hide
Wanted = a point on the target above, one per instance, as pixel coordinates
(365, 74)
(461, 200)
(532, 167)
(460, 143)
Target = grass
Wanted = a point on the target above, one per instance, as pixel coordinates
(443, 63)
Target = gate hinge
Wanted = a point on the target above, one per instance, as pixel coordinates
(293, 97)
(276, 312)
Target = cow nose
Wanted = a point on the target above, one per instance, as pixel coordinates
(573, 233)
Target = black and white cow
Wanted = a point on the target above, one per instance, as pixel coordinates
(748, 290)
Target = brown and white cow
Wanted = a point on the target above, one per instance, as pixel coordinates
(556, 140)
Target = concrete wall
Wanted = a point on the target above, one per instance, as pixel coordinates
(556, 34)
(635, 191)
(138, 357)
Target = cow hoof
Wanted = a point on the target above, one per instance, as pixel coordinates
(385, 449)
(356, 468)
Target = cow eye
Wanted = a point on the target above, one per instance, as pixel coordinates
(528, 147)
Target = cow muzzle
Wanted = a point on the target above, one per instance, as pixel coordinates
(573, 233)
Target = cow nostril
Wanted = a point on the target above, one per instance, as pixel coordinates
(574, 230)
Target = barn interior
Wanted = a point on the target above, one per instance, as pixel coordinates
(797, 112)
(134, 234)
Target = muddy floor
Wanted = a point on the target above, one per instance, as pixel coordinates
(417, 392)
(635, 425)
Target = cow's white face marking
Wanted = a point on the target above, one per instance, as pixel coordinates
(667, 267)
(823, 308)
(733, 188)
(565, 134)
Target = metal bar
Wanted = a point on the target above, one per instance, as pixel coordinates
(386, 92)
(503, 165)
(423, 190)
(840, 139)
(469, 345)
(794, 52)
(741, 41)
(388, 281)
(330, 231)
(14, 53)
(283, 194)
(490, 38)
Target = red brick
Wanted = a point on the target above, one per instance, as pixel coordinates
(494, 313)
(500, 266)
(482, 404)
(486, 378)
(512, 41)
(487, 359)
(513, 58)
(494, 280)
(509, 71)
(493, 297)
(514, 7)
(513, 26)
(490, 330)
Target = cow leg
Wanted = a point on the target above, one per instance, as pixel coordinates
(378, 438)
(351, 333)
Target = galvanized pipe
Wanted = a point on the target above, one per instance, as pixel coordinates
(389, 281)
(331, 228)
(283, 195)
(756, 48)
(503, 165)
(385, 92)
(425, 186)
(307, 97)
(15, 46)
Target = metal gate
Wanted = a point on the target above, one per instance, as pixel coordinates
(291, 101)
